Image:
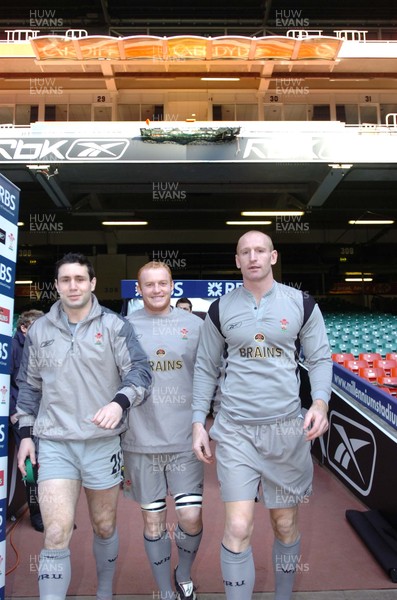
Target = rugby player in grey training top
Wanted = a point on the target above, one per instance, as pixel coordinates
(157, 447)
(82, 368)
(262, 439)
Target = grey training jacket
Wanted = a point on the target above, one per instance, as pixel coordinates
(163, 423)
(258, 347)
(65, 379)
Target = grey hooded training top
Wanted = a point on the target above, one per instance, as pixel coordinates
(163, 423)
(65, 378)
(261, 345)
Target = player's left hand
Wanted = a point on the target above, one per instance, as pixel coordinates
(316, 420)
(109, 416)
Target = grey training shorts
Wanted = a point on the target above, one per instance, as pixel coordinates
(277, 456)
(96, 462)
(149, 477)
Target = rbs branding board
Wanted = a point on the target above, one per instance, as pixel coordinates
(9, 211)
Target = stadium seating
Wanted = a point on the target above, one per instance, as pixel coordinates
(389, 384)
(362, 340)
(362, 332)
(371, 374)
(387, 381)
(370, 357)
(341, 357)
(355, 365)
(386, 390)
(386, 365)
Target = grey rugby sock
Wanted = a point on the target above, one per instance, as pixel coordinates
(285, 560)
(54, 574)
(158, 551)
(238, 573)
(187, 549)
(105, 552)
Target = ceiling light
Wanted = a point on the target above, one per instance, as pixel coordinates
(148, 78)
(272, 213)
(22, 282)
(20, 223)
(220, 78)
(248, 222)
(358, 279)
(124, 223)
(341, 166)
(38, 167)
(372, 222)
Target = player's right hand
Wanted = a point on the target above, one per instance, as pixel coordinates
(26, 450)
(201, 444)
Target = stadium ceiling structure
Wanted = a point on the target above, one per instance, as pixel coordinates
(82, 196)
(253, 18)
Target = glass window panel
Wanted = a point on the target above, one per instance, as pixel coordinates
(321, 112)
(128, 112)
(386, 109)
(273, 112)
(295, 112)
(347, 113)
(25, 114)
(61, 112)
(368, 114)
(6, 114)
(228, 112)
(217, 112)
(79, 112)
(102, 113)
(246, 112)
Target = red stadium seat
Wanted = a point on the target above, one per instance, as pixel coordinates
(371, 374)
(386, 365)
(385, 389)
(355, 365)
(387, 381)
(391, 356)
(340, 357)
(393, 372)
(370, 357)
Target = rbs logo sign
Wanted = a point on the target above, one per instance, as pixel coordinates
(7, 199)
(5, 273)
(5, 354)
(3, 350)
